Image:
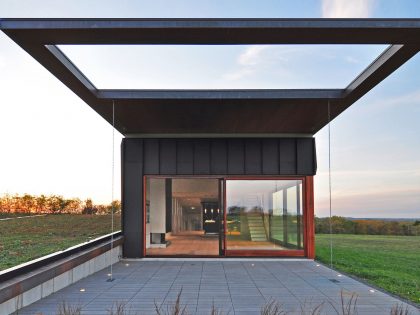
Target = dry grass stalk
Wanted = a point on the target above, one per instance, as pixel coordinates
(215, 310)
(307, 309)
(175, 309)
(272, 307)
(400, 309)
(67, 309)
(347, 307)
(120, 309)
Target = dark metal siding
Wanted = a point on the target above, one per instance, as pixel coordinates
(238, 156)
(218, 156)
(201, 157)
(132, 196)
(270, 156)
(288, 157)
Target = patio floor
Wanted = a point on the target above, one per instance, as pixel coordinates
(234, 286)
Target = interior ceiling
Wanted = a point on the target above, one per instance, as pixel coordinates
(191, 192)
(140, 113)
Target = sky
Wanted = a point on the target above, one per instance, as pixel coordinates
(53, 143)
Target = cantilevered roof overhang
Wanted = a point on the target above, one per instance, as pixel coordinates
(211, 112)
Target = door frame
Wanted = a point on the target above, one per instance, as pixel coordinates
(145, 177)
(269, 253)
(308, 227)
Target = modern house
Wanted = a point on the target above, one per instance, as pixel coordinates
(216, 173)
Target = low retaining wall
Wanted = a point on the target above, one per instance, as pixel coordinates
(32, 286)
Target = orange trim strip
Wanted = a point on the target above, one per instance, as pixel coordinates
(310, 217)
(144, 215)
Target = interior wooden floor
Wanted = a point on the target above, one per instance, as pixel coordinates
(250, 245)
(196, 243)
(188, 244)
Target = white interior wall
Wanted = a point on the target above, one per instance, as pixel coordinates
(157, 206)
(147, 224)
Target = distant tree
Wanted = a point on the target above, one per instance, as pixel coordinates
(116, 205)
(73, 206)
(113, 206)
(5, 203)
(27, 203)
(89, 207)
(16, 203)
(41, 204)
(54, 204)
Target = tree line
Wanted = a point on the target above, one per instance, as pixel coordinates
(341, 225)
(27, 203)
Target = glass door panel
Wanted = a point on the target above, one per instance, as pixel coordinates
(182, 216)
(264, 215)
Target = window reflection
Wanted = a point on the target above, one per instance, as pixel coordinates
(264, 214)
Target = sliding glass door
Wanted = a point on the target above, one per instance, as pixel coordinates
(263, 217)
(223, 217)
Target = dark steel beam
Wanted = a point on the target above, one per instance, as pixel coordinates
(71, 67)
(216, 31)
(386, 63)
(262, 111)
(275, 94)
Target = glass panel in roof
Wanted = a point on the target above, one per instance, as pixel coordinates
(221, 66)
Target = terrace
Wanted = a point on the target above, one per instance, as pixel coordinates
(233, 286)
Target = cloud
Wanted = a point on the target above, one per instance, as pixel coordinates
(347, 8)
(248, 62)
(258, 58)
(252, 55)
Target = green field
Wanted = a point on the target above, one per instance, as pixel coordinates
(4, 215)
(25, 239)
(389, 262)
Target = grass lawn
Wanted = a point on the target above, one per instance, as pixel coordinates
(389, 262)
(25, 239)
(4, 215)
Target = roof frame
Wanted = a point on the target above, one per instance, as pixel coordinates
(40, 37)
